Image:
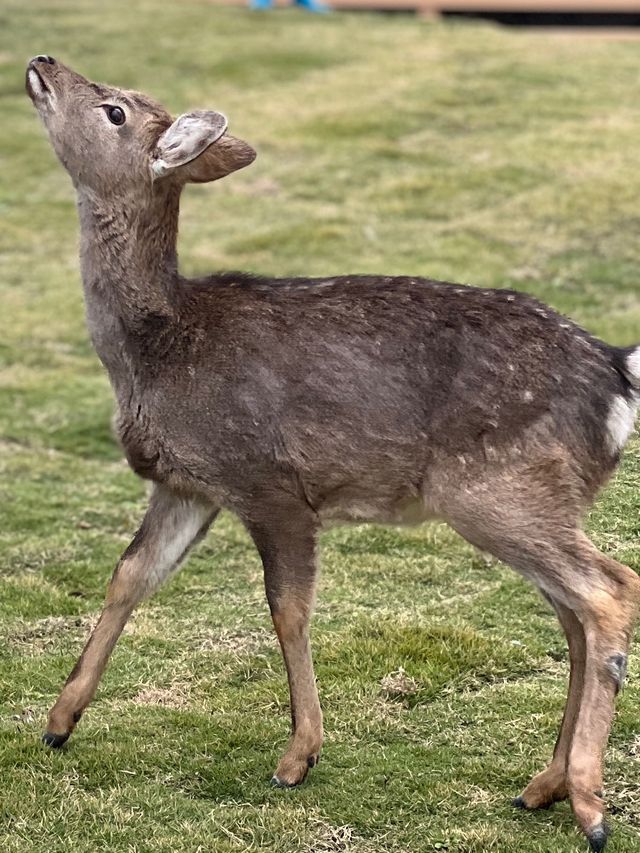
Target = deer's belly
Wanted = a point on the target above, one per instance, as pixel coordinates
(347, 506)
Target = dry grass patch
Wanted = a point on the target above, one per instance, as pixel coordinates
(326, 838)
(399, 685)
(236, 642)
(177, 696)
(43, 635)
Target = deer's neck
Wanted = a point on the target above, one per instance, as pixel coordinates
(129, 269)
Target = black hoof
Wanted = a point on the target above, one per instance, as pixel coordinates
(54, 741)
(519, 803)
(598, 837)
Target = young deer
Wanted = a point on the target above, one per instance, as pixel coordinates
(298, 401)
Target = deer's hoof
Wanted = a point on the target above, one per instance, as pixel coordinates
(293, 770)
(280, 783)
(54, 741)
(520, 803)
(598, 837)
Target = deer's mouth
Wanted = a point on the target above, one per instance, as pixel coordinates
(37, 88)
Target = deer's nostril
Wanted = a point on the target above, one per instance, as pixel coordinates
(44, 58)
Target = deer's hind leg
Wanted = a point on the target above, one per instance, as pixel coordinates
(530, 520)
(170, 527)
(608, 616)
(550, 785)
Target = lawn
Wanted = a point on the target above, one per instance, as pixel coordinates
(388, 145)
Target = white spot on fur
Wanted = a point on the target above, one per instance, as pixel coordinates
(621, 421)
(527, 396)
(159, 168)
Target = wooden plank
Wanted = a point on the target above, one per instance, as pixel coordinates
(384, 5)
(437, 6)
(529, 6)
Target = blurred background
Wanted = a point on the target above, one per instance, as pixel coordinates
(388, 142)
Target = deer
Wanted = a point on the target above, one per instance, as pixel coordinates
(297, 402)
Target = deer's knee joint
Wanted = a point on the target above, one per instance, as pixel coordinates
(291, 607)
(291, 624)
(617, 669)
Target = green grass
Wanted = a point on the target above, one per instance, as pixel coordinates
(385, 145)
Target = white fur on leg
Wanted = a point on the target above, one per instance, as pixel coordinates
(175, 524)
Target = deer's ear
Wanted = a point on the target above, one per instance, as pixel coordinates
(189, 135)
(227, 155)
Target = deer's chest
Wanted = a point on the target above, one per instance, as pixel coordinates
(142, 444)
(159, 446)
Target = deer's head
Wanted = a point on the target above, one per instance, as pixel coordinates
(114, 142)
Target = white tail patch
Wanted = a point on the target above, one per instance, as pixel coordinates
(621, 421)
(633, 366)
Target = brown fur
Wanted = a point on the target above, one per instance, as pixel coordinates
(297, 402)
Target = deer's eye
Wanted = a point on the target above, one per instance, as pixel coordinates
(115, 115)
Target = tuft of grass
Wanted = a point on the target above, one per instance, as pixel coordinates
(390, 145)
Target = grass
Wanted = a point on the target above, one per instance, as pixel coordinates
(387, 144)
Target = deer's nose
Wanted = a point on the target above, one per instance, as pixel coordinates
(44, 58)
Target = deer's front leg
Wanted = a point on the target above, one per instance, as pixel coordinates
(170, 527)
(287, 545)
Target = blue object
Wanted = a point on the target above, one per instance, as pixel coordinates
(312, 6)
